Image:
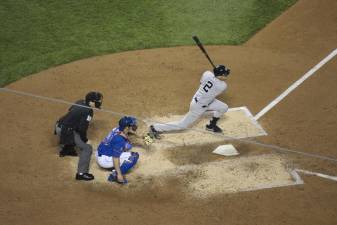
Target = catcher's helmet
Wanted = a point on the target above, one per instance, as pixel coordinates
(221, 70)
(95, 97)
(127, 121)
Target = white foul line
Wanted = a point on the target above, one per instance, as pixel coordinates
(274, 147)
(317, 174)
(296, 84)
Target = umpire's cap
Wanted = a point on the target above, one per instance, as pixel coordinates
(95, 97)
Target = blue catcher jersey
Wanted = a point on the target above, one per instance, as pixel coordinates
(114, 144)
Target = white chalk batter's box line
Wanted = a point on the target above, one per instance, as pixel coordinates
(251, 117)
(247, 113)
(294, 175)
(329, 177)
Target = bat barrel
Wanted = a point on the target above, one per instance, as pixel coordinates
(200, 45)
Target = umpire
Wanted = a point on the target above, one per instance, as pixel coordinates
(72, 130)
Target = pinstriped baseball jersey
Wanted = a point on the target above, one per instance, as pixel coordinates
(210, 87)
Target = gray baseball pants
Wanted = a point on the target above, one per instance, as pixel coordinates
(85, 152)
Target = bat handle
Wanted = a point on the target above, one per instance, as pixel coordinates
(212, 63)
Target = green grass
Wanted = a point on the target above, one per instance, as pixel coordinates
(38, 34)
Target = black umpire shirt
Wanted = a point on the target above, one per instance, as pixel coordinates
(78, 119)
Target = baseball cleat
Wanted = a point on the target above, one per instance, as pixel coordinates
(214, 128)
(84, 176)
(153, 133)
(113, 178)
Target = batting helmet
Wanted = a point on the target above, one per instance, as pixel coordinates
(127, 121)
(95, 97)
(221, 70)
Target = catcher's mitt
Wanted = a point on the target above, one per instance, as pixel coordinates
(148, 140)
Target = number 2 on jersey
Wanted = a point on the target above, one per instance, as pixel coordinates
(208, 86)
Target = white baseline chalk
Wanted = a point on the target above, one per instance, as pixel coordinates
(317, 174)
(296, 84)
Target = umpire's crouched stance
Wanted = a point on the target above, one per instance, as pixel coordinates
(72, 130)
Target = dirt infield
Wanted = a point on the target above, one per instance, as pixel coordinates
(38, 187)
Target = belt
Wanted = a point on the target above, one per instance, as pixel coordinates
(100, 155)
(59, 125)
(196, 100)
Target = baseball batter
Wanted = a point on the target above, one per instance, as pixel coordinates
(204, 101)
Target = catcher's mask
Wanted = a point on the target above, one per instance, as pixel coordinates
(128, 121)
(221, 70)
(95, 97)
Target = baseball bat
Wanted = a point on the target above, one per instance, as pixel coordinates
(200, 45)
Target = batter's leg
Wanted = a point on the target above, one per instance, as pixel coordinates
(218, 109)
(194, 114)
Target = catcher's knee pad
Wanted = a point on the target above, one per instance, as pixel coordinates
(130, 162)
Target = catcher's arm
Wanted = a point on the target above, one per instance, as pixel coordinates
(116, 162)
(137, 140)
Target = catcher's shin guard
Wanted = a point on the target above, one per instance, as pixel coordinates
(130, 162)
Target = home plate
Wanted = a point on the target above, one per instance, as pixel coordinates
(226, 150)
(236, 123)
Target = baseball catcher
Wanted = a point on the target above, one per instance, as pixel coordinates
(114, 153)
